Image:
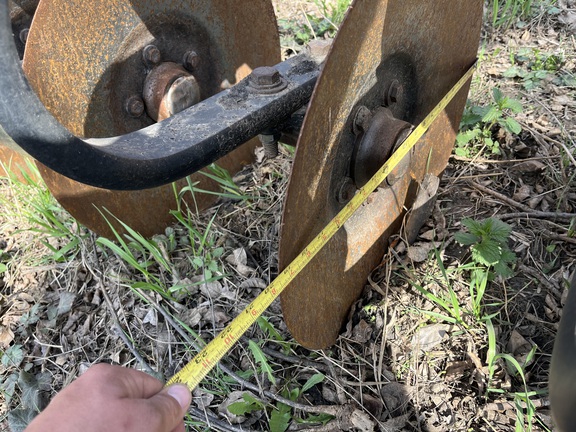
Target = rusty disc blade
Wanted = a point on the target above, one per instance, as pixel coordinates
(14, 163)
(424, 47)
(85, 61)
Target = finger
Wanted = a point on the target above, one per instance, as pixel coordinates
(180, 428)
(169, 407)
(120, 382)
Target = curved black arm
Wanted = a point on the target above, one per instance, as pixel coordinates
(562, 379)
(158, 154)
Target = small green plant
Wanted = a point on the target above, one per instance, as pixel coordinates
(505, 13)
(223, 178)
(478, 125)
(34, 205)
(530, 66)
(312, 27)
(149, 257)
(488, 241)
(280, 414)
(445, 297)
(525, 408)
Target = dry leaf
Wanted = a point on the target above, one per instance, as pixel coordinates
(6, 337)
(430, 336)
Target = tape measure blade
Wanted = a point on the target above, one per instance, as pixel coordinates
(197, 369)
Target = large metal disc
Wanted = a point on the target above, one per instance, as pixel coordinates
(85, 62)
(419, 48)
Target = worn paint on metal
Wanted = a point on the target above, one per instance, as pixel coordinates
(430, 44)
(83, 59)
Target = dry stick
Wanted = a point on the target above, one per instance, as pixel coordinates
(560, 143)
(505, 405)
(500, 162)
(120, 332)
(555, 236)
(326, 409)
(537, 215)
(212, 420)
(117, 324)
(504, 198)
(537, 275)
(294, 360)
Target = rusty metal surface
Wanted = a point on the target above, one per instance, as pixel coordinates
(424, 46)
(84, 60)
(13, 162)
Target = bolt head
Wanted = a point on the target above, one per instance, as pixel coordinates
(151, 55)
(318, 49)
(134, 106)
(346, 190)
(23, 35)
(265, 76)
(362, 120)
(182, 94)
(191, 60)
(394, 93)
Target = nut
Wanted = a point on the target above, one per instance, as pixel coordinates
(267, 80)
(191, 60)
(362, 120)
(151, 55)
(134, 106)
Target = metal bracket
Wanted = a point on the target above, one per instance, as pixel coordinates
(160, 153)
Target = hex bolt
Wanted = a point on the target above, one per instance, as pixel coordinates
(270, 144)
(265, 76)
(346, 190)
(134, 106)
(267, 80)
(23, 35)
(151, 55)
(191, 60)
(318, 49)
(394, 93)
(362, 120)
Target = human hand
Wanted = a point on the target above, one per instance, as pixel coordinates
(110, 398)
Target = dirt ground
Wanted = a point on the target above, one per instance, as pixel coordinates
(67, 301)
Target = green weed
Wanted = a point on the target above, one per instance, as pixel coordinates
(506, 13)
(312, 27)
(150, 257)
(33, 204)
(478, 124)
(530, 67)
(525, 408)
(488, 241)
(280, 414)
(229, 189)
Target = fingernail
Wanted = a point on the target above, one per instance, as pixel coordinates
(181, 394)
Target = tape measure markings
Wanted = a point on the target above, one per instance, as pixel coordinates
(193, 372)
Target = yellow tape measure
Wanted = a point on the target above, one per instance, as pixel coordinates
(211, 354)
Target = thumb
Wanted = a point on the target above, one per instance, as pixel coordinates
(171, 405)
